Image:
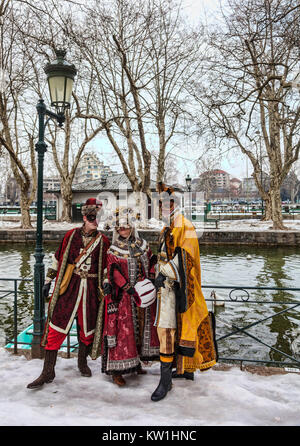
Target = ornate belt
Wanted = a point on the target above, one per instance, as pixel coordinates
(84, 274)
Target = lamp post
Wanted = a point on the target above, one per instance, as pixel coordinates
(60, 76)
(188, 182)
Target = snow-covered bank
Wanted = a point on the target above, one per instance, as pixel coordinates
(224, 225)
(255, 225)
(215, 398)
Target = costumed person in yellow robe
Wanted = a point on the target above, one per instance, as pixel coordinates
(185, 327)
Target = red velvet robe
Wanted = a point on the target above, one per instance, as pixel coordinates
(62, 309)
(129, 334)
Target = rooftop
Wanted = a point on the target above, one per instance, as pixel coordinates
(113, 183)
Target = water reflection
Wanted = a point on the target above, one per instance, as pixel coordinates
(253, 266)
(279, 274)
(18, 261)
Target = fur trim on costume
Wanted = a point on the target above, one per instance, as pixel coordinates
(91, 206)
(115, 298)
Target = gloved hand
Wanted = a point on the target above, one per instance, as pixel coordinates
(135, 295)
(159, 281)
(107, 288)
(46, 289)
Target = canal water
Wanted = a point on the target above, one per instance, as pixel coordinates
(232, 266)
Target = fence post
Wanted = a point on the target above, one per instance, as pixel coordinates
(15, 317)
(68, 346)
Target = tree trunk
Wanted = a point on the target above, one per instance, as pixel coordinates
(267, 210)
(25, 210)
(276, 211)
(66, 193)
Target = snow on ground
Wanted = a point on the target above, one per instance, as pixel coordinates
(47, 224)
(216, 398)
(255, 225)
(224, 225)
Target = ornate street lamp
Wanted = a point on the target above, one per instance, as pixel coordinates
(188, 182)
(60, 75)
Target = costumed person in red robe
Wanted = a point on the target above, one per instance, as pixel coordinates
(184, 325)
(77, 268)
(129, 335)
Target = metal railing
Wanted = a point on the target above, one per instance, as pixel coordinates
(49, 211)
(234, 328)
(15, 292)
(224, 330)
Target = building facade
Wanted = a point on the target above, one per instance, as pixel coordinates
(91, 168)
(108, 190)
(215, 184)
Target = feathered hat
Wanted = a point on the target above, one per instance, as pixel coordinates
(167, 193)
(162, 187)
(121, 217)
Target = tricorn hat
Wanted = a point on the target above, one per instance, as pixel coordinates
(91, 206)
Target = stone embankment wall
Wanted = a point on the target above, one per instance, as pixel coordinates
(209, 236)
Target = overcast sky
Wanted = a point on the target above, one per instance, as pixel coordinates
(208, 10)
(188, 152)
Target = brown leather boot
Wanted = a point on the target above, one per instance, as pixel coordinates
(141, 371)
(83, 352)
(119, 380)
(48, 373)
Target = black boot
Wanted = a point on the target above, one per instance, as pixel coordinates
(83, 352)
(186, 375)
(165, 383)
(48, 373)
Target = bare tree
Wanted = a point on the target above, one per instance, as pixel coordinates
(294, 184)
(291, 184)
(252, 62)
(67, 150)
(67, 144)
(17, 125)
(141, 57)
(135, 61)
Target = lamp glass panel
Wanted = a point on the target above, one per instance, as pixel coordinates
(57, 88)
(69, 87)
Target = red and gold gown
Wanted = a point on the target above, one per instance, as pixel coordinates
(129, 335)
